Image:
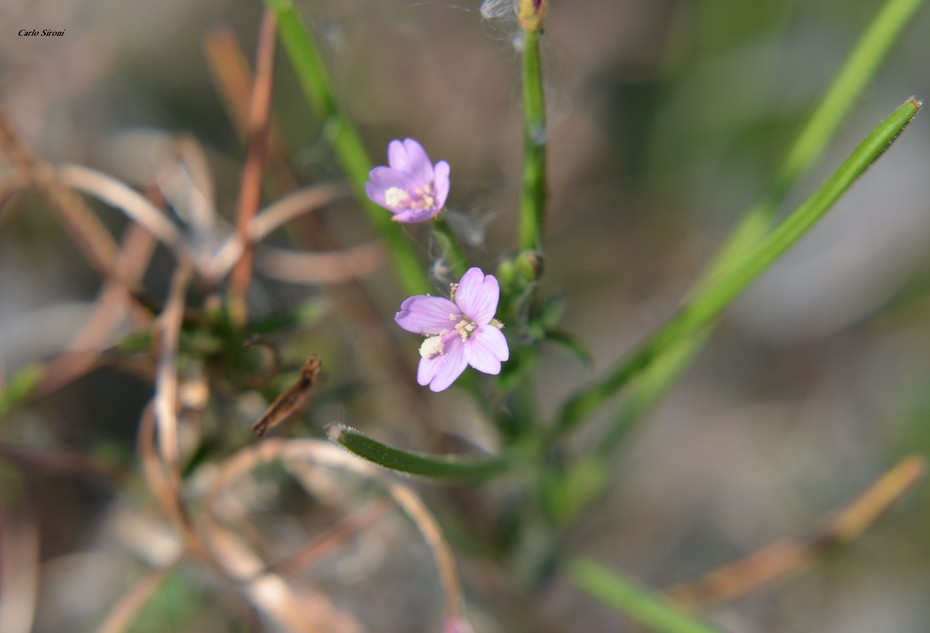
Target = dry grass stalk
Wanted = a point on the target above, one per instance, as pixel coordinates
(112, 305)
(124, 612)
(78, 220)
(333, 267)
(19, 570)
(325, 454)
(786, 558)
(253, 172)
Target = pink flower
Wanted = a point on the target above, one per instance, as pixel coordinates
(412, 188)
(460, 332)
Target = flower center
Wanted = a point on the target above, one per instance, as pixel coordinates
(465, 328)
(421, 199)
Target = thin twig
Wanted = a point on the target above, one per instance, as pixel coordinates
(786, 558)
(124, 612)
(233, 77)
(111, 307)
(272, 217)
(19, 570)
(87, 231)
(251, 188)
(322, 453)
(293, 205)
(136, 207)
(60, 462)
(333, 267)
(166, 373)
(332, 539)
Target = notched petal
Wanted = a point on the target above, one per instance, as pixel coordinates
(478, 295)
(422, 314)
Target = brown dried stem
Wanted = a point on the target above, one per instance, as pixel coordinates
(59, 462)
(124, 612)
(88, 233)
(252, 174)
(19, 570)
(323, 453)
(331, 267)
(332, 539)
(787, 558)
(233, 77)
(136, 207)
(112, 305)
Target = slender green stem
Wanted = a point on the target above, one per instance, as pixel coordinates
(22, 385)
(450, 246)
(813, 138)
(434, 466)
(821, 127)
(533, 205)
(628, 598)
(345, 139)
(723, 288)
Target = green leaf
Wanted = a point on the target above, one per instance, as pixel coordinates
(435, 466)
(344, 137)
(572, 345)
(304, 315)
(628, 598)
(722, 288)
(20, 387)
(813, 138)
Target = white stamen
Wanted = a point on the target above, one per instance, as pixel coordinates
(396, 197)
(432, 347)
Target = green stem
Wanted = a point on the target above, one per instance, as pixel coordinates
(643, 605)
(721, 289)
(344, 137)
(820, 128)
(533, 205)
(450, 246)
(813, 138)
(434, 466)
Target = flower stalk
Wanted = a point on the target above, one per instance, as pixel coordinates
(533, 204)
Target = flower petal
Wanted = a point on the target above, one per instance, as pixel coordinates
(423, 314)
(382, 179)
(441, 183)
(486, 348)
(409, 157)
(477, 296)
(410, 216)
(441, 371)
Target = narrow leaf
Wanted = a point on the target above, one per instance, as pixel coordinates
(344, 137)
(628, 598)
(436, 466)
(20, 387)
(721, 289)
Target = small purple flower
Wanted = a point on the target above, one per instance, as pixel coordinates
(460, 332)
(412, 188)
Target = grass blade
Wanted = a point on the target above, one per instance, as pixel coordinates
(632, 600)
(345, 139)
(722, 288)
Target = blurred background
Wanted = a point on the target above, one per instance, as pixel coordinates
(667, 120)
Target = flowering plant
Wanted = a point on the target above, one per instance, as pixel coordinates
(412, 187)
(507, 433)
(460, 331)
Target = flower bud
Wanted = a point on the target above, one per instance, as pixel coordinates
(532, 14)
